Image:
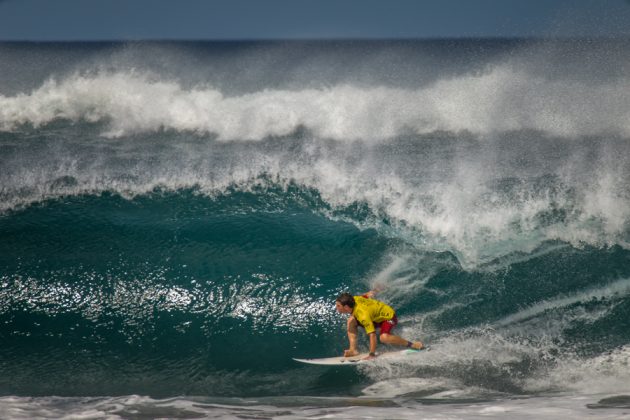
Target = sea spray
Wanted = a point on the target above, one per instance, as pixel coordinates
(172, 230)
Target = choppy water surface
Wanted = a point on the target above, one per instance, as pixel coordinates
(177, 219)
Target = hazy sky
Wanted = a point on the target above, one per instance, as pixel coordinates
(310, 19)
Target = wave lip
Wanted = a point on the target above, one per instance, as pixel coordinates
(477, 223)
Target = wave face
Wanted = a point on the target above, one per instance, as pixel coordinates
(177, 219)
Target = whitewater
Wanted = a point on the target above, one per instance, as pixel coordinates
(176, 220)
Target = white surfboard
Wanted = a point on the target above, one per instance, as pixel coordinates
(361, 358)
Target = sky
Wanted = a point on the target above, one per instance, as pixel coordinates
(91, 20)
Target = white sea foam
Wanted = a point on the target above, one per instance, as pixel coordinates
(427, 387)
(504, 98)
(547, 407)
(460, 210)
(444, 200)
(604, 373)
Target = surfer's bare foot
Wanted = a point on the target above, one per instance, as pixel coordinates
(417, 345)
(350, 353)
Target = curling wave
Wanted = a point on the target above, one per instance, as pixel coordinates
(503, 98)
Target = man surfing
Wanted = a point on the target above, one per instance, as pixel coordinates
(370, 314)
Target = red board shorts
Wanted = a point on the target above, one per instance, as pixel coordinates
(386, 326)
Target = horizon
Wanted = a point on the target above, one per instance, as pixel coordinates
(282, 20)
(323, 40)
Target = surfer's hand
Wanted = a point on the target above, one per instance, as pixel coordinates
(350, 353)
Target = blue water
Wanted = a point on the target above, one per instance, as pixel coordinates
(176, 220)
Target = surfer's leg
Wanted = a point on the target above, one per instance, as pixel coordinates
(399, 341)
(352, 337)
(387, 337)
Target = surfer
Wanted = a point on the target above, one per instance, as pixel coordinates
(369, 313)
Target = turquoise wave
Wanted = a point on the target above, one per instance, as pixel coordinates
(176, 293)
(170, 230)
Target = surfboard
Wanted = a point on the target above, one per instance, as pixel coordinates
(361, 358)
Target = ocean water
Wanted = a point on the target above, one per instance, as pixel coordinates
(176, 220)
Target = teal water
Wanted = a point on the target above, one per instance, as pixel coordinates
(172, 233)
(177, 293)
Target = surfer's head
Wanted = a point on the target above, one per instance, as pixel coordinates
(345, 303)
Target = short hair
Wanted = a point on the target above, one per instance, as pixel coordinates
(346, 299)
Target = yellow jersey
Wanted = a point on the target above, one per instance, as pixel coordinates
(368, 311)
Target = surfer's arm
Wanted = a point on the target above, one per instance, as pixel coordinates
(370, 295)
(373, 343)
